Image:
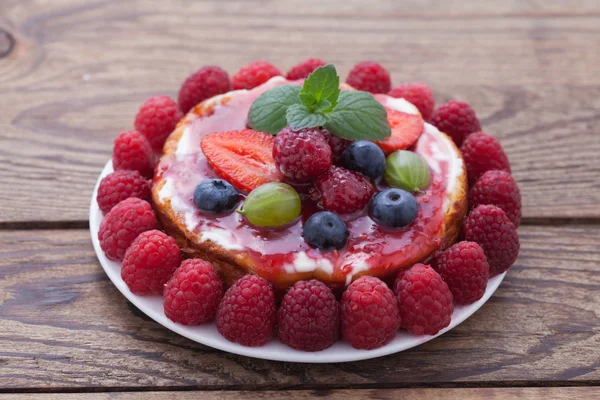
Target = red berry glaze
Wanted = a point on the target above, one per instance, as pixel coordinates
(483, 152)
(370, 77)
(302, 155)
(203, 84)
(123, 224)
(489, 226)
(121, 185)
(309, 316)
(500, 189)
(465, 269)
(254, 74)
(243, 158)
(370, 315)
(149, 262)
(133, 151)
(343, 191)
(193, 293)
(417, 93)
(424, 299)
(456, 119)
(304, 69)
(247, 313)
(337, 144)
(406, 129)
(156, 119)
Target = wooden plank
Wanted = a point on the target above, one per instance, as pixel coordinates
(79, 70)
(554, 393)
(64, 326)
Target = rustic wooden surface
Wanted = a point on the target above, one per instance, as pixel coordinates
(72, 74)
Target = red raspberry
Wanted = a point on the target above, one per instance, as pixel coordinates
(489, 226)
(203, 84)
(304, 69)
(156, 119)
(149, 262)
(370, 315)
(424, 299)
(247, 313)
(500, 189)
(193, 293)
(483, 152)
(337, 144)
(344, 191)
(123, 224)
(254, 74)
(417, 93)
(370, 77)
(132, 151)
(302, 155)
(309, 316)
(465, 269)
(121, 185)
(456, 119)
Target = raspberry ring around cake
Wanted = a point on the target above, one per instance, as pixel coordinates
(282, 256)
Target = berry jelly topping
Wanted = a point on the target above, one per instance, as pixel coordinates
(280, 252)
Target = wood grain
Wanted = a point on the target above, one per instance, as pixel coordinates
(64, 326)
(80, 68)
(554, 393)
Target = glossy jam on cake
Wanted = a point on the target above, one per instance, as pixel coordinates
(281, 255)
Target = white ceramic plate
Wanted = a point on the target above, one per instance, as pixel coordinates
(207, 334)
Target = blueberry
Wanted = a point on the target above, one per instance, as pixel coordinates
(394, 208)
(325, 230)
(364, 157)
(215, 196)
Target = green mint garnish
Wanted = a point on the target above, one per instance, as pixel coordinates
(350, 114)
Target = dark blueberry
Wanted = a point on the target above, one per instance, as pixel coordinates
(395, 208)
(215, 196)
(325, 230)
(364, 157)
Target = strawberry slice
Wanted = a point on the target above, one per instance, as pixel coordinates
(243, 158)
(406, 129)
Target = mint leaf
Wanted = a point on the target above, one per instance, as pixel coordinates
(324, 106)
(299, 117)
(358, 116)
(268, 112)
(323, 84)
(307, 99)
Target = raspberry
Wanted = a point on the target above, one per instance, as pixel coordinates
(302, 155)
(132, 151)
(483, 152)
(304, 69)
(417, 93)
(121, 185)
(203, 84)
(254, 74)
(156, 119)
(424, 299)
(489, 226)
(337, 144)
(465, 269)
(344, 191)
(370, 77)
(456, 119)
(192, 294)
(500, 189)
(309, 316)
(149, 262)
(247, 313)
(370, 315)
(123, 224)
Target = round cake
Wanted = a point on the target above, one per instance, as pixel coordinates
(281, 255)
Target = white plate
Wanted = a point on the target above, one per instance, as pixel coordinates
(207, 334)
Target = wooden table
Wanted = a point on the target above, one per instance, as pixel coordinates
(74, 72)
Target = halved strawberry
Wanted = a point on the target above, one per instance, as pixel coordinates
(243, 158)
(406, 129)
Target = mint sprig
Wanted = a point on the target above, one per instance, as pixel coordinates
(350, 114)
